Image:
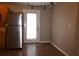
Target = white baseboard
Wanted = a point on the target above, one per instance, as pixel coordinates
(37, 42)
(44, 41)
(59, 49)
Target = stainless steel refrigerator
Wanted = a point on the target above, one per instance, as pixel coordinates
(14, 31)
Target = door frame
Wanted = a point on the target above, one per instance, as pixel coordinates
(25, 11)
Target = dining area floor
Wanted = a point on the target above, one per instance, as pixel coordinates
(33, 49)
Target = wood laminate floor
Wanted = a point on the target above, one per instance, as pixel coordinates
(33, 50)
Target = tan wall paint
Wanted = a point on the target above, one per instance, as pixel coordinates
(45, 17)
(18, 8)
(45, 23)
(62, 35)
(77, 33)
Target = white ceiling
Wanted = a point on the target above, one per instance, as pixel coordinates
(35, 3)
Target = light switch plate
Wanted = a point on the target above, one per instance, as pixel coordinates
(69, 25)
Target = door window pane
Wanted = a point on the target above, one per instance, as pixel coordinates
(31, 26)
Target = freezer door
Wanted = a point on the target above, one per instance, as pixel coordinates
(14, 37)
(14, 19)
